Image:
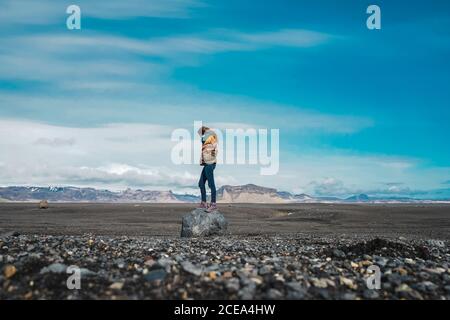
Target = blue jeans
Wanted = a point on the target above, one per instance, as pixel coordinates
(208, 175)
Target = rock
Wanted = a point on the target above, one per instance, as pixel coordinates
(322, 283)
(274, 294)
(295, 290)
(338, 253)
(436, 243)
(9, 271)
(190, 268)
(370, 294)
(232, 285)
(264, 270)
(165, 263)
(212, 275)
(199, 223)
(54, 268)
(43, 204)
(248, 292)
(156, 275)
(349, 296)
(347, 282)
(403, 288)
(426, 286)
(10, 234)
(116, 286)
(86, 272)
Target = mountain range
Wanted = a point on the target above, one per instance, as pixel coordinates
(248, 193)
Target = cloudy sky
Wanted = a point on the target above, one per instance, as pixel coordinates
(358, 110)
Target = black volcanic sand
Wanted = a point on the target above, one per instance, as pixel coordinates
(302, 251)
(417, 220)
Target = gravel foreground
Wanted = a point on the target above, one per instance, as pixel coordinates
(260, 267)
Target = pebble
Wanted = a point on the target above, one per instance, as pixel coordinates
(116, 286)
(232, 285)
(55, 268)
(371, 294)
(190, 268)
(274, 294)
(9, 271)
(234, 267)
(156, 275)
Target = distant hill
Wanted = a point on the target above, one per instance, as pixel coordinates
(249, 193)
(358, 198)
(74, 194)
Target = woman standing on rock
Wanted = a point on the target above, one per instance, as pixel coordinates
(208, 160)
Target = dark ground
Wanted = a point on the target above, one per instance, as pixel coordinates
(414, 220)
(301, 251)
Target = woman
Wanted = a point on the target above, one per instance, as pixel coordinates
(208, 160)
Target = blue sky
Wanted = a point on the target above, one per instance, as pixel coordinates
(358, 110)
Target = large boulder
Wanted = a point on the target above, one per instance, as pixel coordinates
(199, 223)
(43, 204)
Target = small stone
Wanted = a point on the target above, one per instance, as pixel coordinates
(295, 290)
(435, 270)
(366, 263)
(156, 275)
(90, 242)
(212, 275)
(403, 288)
(320, 283)
(248, 292)
(227, 274)
(370, 294)
(192, 269)
(165, 263)
(9, 271)
(43, 204)
(28, 295)
(430, 286)
(338, 253)
(274, 294)
(257, 280)
(347, 282)
(116, 286)
(264, 270)
(54, 268)
(232, 285)
(86, 272)
(402, 271)
(354, 265)
(349, 296)
(410, 261)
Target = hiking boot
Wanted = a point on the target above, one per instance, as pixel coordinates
(202, 205)
(212, 207)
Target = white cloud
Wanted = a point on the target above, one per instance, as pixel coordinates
(44, 12)
(117, 156)
(285, 37)
(114, 156)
